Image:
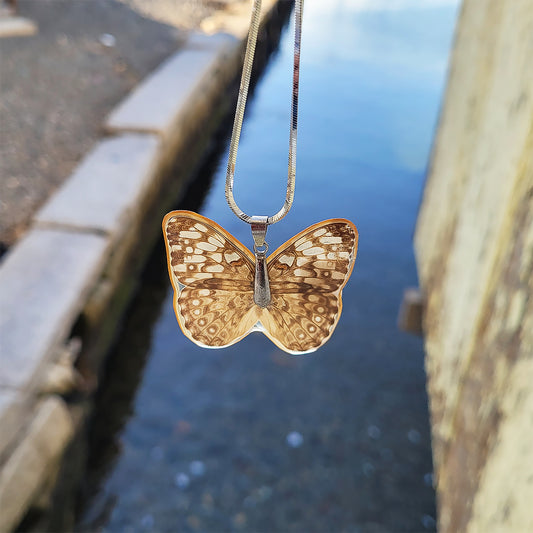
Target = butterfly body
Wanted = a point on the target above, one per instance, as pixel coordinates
(213, 276)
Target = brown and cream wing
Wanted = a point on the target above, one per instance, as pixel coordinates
(199, 249)
(299, 323)
(215, 318)
(320, 257)
(212, 274)
(307, 275)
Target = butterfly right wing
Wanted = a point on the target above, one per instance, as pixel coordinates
(212, 274)
(307, 275)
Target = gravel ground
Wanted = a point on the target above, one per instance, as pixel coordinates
(57, 87)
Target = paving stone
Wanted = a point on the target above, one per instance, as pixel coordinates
(159, 101)
(31, 463)
(44, 282)
(106, 189)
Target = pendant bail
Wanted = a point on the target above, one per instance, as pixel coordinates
(259, 228)
(262, 295)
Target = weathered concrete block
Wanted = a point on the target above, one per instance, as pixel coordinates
(474, 249)
(44, 282)
(28, 467)
(163, 97)
(107, 187)
(12, 411)
(503, 500)
(411, 311)
(235, 19)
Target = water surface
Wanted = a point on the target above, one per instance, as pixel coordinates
(249, 438)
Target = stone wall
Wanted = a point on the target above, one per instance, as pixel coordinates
(474, 250)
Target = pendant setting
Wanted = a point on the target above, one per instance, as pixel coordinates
(222, 291)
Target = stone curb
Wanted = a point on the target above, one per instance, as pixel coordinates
(103, 193)
(37, 455)
(152, 108)
(72, 259)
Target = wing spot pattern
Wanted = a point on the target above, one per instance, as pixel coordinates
(287, 260)
(230, 257)
(206, 246)
(190, 235)
(216, 241)
(330, 265)
(215, 268)
(313, 251)
(303, 246)
(314, 281)
(330, 240)
(194, 259)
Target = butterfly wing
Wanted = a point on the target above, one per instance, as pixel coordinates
(307, 275)
(212, 274)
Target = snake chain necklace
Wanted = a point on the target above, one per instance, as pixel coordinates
(223, 291)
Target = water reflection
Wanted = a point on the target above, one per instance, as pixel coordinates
(249, 438)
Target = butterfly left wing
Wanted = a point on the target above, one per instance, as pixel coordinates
(212, 274)
(307, 275)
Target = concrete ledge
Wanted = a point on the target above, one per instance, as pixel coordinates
(45, 280)
(160, 101)
(33, 460)
(106, 188)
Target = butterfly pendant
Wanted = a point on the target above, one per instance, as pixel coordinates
(213, 277)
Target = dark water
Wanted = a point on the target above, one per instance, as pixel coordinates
(249, 438)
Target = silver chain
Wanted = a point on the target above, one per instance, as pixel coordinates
(239, 115)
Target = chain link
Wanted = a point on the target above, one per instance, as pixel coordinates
(239, 115)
